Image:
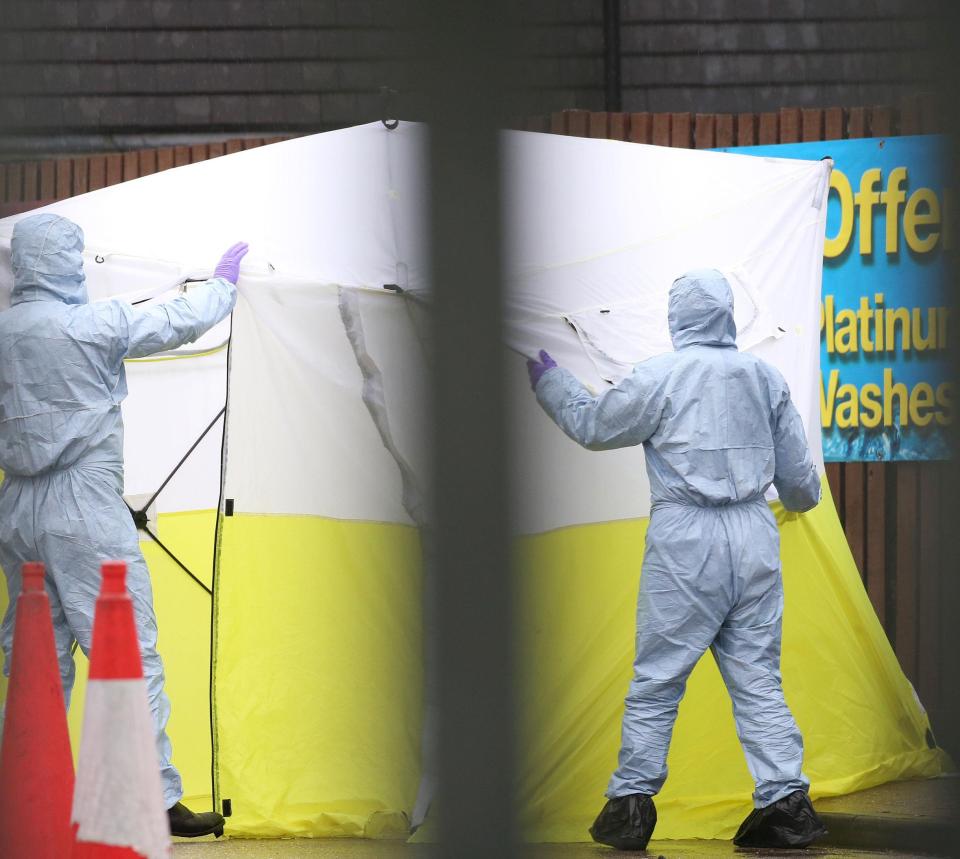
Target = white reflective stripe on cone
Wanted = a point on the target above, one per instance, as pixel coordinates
(118, 799)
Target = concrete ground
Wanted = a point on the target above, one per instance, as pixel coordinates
(895, 821)
(921, 814)
(928, 799)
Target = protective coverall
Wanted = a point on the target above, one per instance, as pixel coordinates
(62, 381)
(718, 427)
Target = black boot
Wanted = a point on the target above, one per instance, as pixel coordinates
(789, 822)
(626, 822)
(185, 823)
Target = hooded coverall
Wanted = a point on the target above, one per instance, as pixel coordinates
(62, 381)
(718, 427)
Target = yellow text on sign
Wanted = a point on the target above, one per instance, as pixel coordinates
(921, 215)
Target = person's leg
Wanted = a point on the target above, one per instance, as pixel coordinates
(62, 636)
(660, 671)
(684, 596)
(92, 525)
(10, 563)
(747, 651)
(87, 523)
(141, 592)
(16, 547)
(681, 605)
(64, 640)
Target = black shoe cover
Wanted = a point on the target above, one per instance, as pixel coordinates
(626, 822)
(185, 823)
(789, 822)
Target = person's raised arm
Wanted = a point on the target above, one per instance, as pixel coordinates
(626, 415)
(173, 323)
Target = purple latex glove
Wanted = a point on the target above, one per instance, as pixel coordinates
(537, 368)
(229, 265)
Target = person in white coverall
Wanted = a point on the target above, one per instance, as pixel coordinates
(718, 427)
(62, 381)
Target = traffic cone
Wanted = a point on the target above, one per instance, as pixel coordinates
(36, 767)
(118, 807)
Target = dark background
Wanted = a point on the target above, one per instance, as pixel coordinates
(102, 75)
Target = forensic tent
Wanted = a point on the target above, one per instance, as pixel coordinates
(278, 468)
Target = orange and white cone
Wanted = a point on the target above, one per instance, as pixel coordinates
(118, 807)
(36, 767)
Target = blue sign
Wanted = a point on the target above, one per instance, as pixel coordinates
(886, 392)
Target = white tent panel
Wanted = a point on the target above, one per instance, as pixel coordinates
(333, 208)
(598, 231)
(341, 207)
(170, 404)
(395, 332)
(596, 224)
(300, 440)
(605, 195)
(554, 481)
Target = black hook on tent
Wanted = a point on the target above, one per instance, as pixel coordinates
(386, 109)
(180, 286)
